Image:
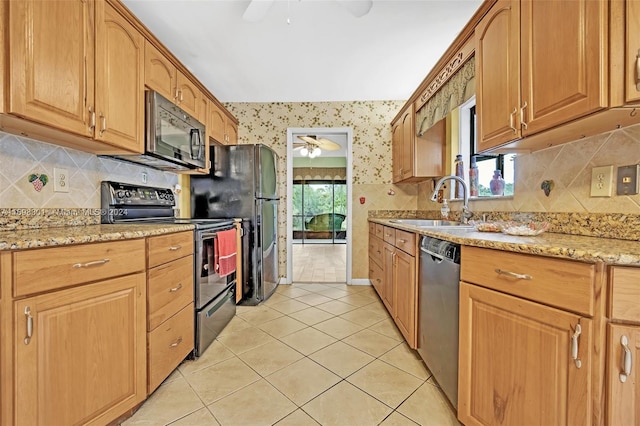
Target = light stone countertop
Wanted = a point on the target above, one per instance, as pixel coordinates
(585, 249)
(64, 235)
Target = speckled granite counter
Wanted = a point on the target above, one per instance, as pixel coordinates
(58, 236)
(586, 249)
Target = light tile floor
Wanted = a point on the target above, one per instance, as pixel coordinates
(312, 354)
(319, 263)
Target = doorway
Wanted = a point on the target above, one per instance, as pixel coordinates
(319, 205)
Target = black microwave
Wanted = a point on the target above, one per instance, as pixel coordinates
(174, 140)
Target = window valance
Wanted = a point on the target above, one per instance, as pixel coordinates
(319, 173)
(458, 89)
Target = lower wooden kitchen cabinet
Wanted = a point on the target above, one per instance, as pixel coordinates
(623, 347)
(78, 340)
(516, 363)
(393, 274)
(170, 309)
(522, 361)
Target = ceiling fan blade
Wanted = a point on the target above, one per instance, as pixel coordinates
(256, 10)
(357, 8)
(328, 144)
(309, 139)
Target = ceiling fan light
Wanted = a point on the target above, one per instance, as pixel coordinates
(304, 151)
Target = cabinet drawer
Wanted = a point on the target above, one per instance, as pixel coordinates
(165, 248)
(45, 269)
(376, 276)
(625, 294)
(379, 230)
(169, 289)
(372, 228)
(375, 249)
(169, 344)
(406, 241)
(389, 235)
(557, 282)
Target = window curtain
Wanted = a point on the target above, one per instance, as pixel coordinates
(458, 89)
(319, 173)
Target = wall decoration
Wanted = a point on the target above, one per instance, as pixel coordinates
(38, 181)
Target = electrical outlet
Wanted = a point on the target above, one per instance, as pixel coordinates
(145, 177)
(628, 180)
(601, 181)
(60, 180)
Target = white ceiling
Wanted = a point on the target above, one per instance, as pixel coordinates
(324, 54)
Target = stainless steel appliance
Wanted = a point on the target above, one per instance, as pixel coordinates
(439, 282)
(243, 184)
(174, 140)
(214, 296)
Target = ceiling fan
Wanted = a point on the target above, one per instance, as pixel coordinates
(312, 145)
(257, 9)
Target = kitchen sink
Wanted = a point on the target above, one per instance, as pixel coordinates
(431, 223)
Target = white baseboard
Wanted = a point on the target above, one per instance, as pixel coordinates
(360, 281)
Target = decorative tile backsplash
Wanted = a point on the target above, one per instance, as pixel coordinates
(24, 163)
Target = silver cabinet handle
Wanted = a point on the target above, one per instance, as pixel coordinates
(90, 264)
(174, 289)
(402, 241)
(29, 317)
(522, 122)
(514, 274)
(175, 248)
(638, 71)
(181, 99)
(176, 343)
(574, 345)
(511, 123)
(104, 124)
(626, 359)
(92, 124)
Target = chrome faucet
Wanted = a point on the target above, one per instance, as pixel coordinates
(466, 213)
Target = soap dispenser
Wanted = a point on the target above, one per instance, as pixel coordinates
(444, 210)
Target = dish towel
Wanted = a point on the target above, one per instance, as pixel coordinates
(226, 252)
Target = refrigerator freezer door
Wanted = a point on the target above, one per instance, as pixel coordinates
(267, 253)
(267, 176)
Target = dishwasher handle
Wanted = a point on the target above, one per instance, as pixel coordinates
(436, 255)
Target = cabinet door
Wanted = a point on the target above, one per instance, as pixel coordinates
(159, 73)
(51, 63)
(623, 403)
(515, 362)
(564, 63)
(85, 361)
(232, 133)
(408, 144)
(498, 75)
(632, 36)
(405, 301)
(388, 258)
(188, 95)
(217, 123)
(396, 154)
(119, 80)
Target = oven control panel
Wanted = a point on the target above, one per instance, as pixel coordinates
(122, 194)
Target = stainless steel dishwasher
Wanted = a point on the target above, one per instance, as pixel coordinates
(439, 283)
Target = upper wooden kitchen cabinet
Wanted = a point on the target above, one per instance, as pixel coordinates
(403, 140)
(632, 41)
(539, 64)
(77, 66)
(415, 158)
(221, 127)
(164, 77)
(119, 96)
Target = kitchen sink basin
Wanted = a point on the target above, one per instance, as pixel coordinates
(432, 223)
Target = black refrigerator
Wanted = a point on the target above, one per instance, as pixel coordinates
(243, 183)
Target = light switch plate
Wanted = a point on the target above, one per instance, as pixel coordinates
(601, 181)
(628, 180)
(60, 180)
